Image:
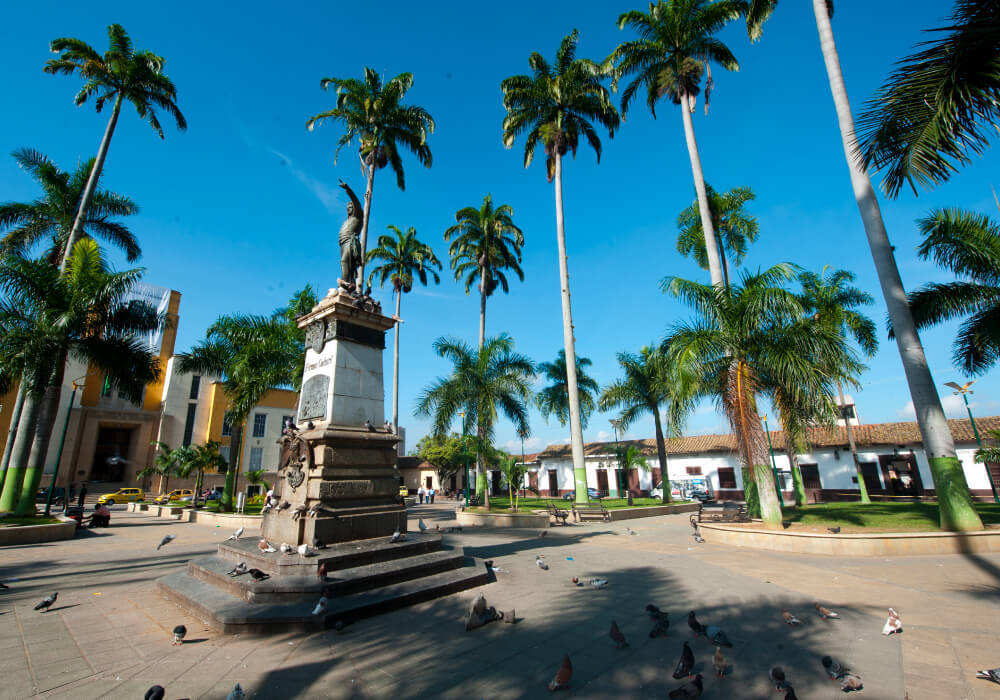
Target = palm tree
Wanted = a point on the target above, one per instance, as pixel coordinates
(122, 74)
(938, 106)
(734, 228)
(957, 511)
(165, 463)
(554, 398)
(373, 112)
(513, 472)
(486, 242)
(45, 317)
(253, 354)
(650, 385)
(675, 49)
(831, 299)
(256, 476)
(554, 107)
(207, 457)
(968, 244)
(483, 383)
(630, 458)
(402, 257)
(991, 454)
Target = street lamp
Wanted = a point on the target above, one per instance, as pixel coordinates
(616, 424)
(62, 443)
(964, 390)
(774, 467)
(465, 448)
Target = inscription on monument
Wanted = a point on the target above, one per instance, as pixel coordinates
(314, 393)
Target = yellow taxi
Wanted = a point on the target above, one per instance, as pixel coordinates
(122, 496)
(403, 491)
(175, 495)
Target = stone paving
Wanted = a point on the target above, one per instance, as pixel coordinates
(108, 635)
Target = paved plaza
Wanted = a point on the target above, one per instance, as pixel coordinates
(108, 635)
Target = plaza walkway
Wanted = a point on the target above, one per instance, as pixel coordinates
(109, 633)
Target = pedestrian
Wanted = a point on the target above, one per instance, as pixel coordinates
(431, 493)
(72, 492)
(420, 493)
(83, 494)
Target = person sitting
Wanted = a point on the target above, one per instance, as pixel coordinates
(101, 517)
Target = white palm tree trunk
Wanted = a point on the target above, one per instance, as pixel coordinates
(91, 187)
(15, 419)
(862, 487)
(957, 512)
(575, 426)
(711, 247)
(395, 369)
(19, 454)
(366, 215)
(482, 306)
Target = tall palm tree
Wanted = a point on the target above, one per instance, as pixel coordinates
(553, 107)
(554, 398)
(675, 48)
(373, 112)
(122, 74)
(402, 258)
(832, 299)
(483, 383)
(650, 385)
(253, 354)
(45, 317)
(486, 242)
(956, 509)
(967, 244)
(734, 228)
(165, 463)
(938, 106)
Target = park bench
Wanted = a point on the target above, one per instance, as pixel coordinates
(474, 500)
(558, 514)
(720, 513)
(591, 510)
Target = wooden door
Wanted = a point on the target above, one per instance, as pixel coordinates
(902, 478)
(553, 483)
(869, 472)
(533, 481)
(495, 476)
(602, 482)
(429, 482)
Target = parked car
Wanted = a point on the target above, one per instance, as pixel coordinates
(175, 495)
(128, 495)
(592, 493)
(58, 496)
(403, 491)
(700, 495)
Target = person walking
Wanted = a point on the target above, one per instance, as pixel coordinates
(420, 493)
(431, 493)
(83, 494)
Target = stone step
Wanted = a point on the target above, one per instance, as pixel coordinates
(230, 615)
(285, 589)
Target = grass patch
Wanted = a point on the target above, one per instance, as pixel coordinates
(213, 507)
(525, 504)
(16, 521)
(896, 517)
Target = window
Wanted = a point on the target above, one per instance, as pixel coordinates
(695, 471)
(259, 424)
(810, 476)
(195, 383)
(224, 451)
(189, 424)
(106, 387)
(256, 458)
(227, 424)
(727, 478)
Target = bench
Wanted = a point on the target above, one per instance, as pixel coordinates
(474, 500)
(720, 513)
(558, 514)
(591, 510)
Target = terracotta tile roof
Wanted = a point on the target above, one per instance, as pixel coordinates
(410, 462)
(864, 435)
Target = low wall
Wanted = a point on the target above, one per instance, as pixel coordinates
(34, 534)
(875, 544)
(232, 521)
(472, 519)
(651, 511)
(175, 512)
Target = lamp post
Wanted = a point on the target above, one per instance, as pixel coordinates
(62, 443)
(465, 448)
(616, 424)
(964, 390)
(774, 466)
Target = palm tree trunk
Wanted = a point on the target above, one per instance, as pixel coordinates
(91, 187)
(711, 249)
(40, 443)
(482, 306)
(798, 486)
(725, 265)
(954, 499)
(395, 369)
(862, 486)
(575, 426)
(15, 420)
(364, 225)
(19, 453)
(661, 454)
(752, 440)
(482, 479)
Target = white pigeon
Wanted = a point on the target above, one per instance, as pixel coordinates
(320, 606)
(236, 535)
(166, 540)
(396, 536)
(420, 524)
(541, 564)
(236, 693)
(265, 546)
(892, 624)
(631, 531)
(990, 674)
(307, 551)
(285, 548)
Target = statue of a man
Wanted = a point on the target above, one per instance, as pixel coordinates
(350, 245)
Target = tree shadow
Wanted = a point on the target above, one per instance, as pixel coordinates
(981, 562)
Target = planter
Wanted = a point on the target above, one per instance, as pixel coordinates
(530, 520)
(651, 511)
(233, 521)
(34, 534)
(876, 544)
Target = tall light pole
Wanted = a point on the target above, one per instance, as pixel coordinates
(62, 443)
(465, 448)
(774, 466)
(616, 424)
(964, 390)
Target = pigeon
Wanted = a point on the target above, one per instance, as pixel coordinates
(777, 676)
(238, 570)
(565, 672)
(179, 632)
(833, 668)
(47, 603)
(265, 546)
(685, 663)
(269, 505)
(298, 512)
(654, 612)
(790, 693)
(420, 524)
(318, 543)
(167, 539)
(368, 425)
(284, 505)
(597, 582)
(789, 618)
(834, 530)
(717, 636)
(688, 690)
(696, 627)
(314, 510)
(321, 606)
(660, 626)
(543, 533)
(285, 548)
(826, 613)
(541, 564)
(155, 692)
(699, 539)
(719, 662)
(616, 636)
(396, 536)
(236, 535)
(893, 625)
(631, 531)
(990, 674)
(476, 611)
(850, 682)
(258, 575)
(236, 693)
(510, 617)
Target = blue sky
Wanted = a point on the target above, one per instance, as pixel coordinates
(243, 208)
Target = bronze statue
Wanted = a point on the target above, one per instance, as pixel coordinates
(350, 244)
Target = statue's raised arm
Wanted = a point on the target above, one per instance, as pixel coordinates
(358, 209)
(350, 246)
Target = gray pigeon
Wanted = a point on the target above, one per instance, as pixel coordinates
(236, 693)
(541, 564)
(420, 524)
(47, 603)
(396, 536)
(990, 674)
(179, 632)
(167, 539)
(154, 693)
(238, 570)
(654, 612)
(717, 636)
(236, 535)
(298, 511)
(833, 668)
(660, 627)
(777, 676)
(685, 663)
